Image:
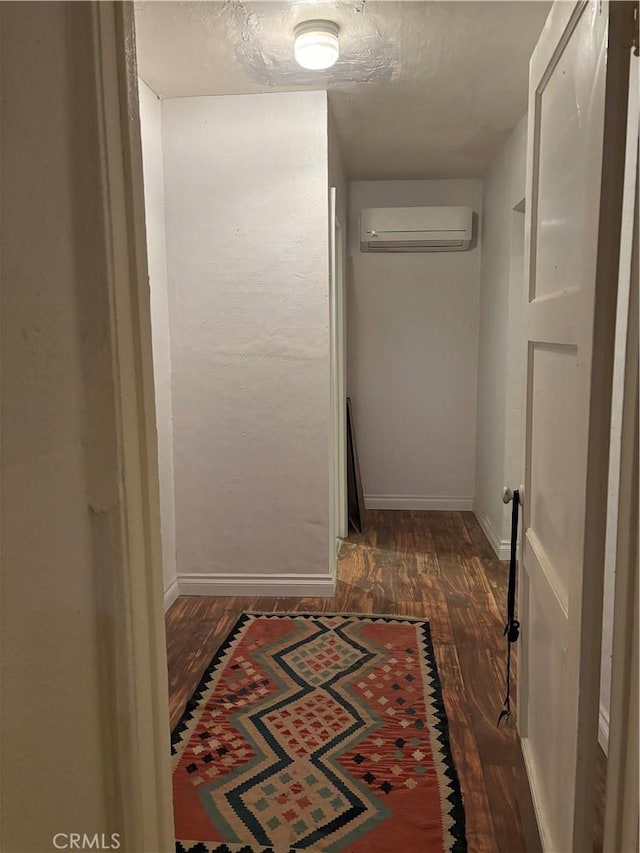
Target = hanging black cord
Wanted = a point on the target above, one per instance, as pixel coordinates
(512, 628)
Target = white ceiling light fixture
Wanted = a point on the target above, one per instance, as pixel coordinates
(316, 44)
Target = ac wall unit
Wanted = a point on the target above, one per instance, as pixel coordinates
(416, 229)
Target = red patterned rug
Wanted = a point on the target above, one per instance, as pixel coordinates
(319, 733)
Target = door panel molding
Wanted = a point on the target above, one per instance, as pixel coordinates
(552, 318)
(537, 565)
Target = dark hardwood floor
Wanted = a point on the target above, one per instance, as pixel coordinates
(437, 565)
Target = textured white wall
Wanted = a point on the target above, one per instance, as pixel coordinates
(501, 346)
(247, 262)
(151, 130)
(60, 490)
(412, 356)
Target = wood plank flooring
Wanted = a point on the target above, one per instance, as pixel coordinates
(436, 565)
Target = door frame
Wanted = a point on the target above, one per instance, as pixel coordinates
(337, 322)
(136, 659)
(622, 807)
(341, 296)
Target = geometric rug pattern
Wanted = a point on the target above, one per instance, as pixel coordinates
(318, 732)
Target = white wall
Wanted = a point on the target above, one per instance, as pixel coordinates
(412, 356)
(501, 346)
(247, 261)
(60, 484)
(151, 130)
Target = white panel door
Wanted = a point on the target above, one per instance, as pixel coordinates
(577, 105)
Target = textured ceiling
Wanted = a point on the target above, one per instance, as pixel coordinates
(421, 90)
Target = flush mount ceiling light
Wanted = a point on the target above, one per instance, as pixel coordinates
(316, 44)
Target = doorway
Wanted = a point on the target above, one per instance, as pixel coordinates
(113, 668)
(203, 582)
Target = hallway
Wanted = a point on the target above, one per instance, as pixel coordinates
(433, 564)
(182, 201)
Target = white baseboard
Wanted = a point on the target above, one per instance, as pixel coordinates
(171, 593)
(532, 776)
(424, 502)
(501, 547)
(603, 729)
(276, 586)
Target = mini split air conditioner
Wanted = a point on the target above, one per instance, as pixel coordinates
(416, 229)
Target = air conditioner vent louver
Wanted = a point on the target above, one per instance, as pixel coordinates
(416, 229)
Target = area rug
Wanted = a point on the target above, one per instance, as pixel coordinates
(318, 732)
